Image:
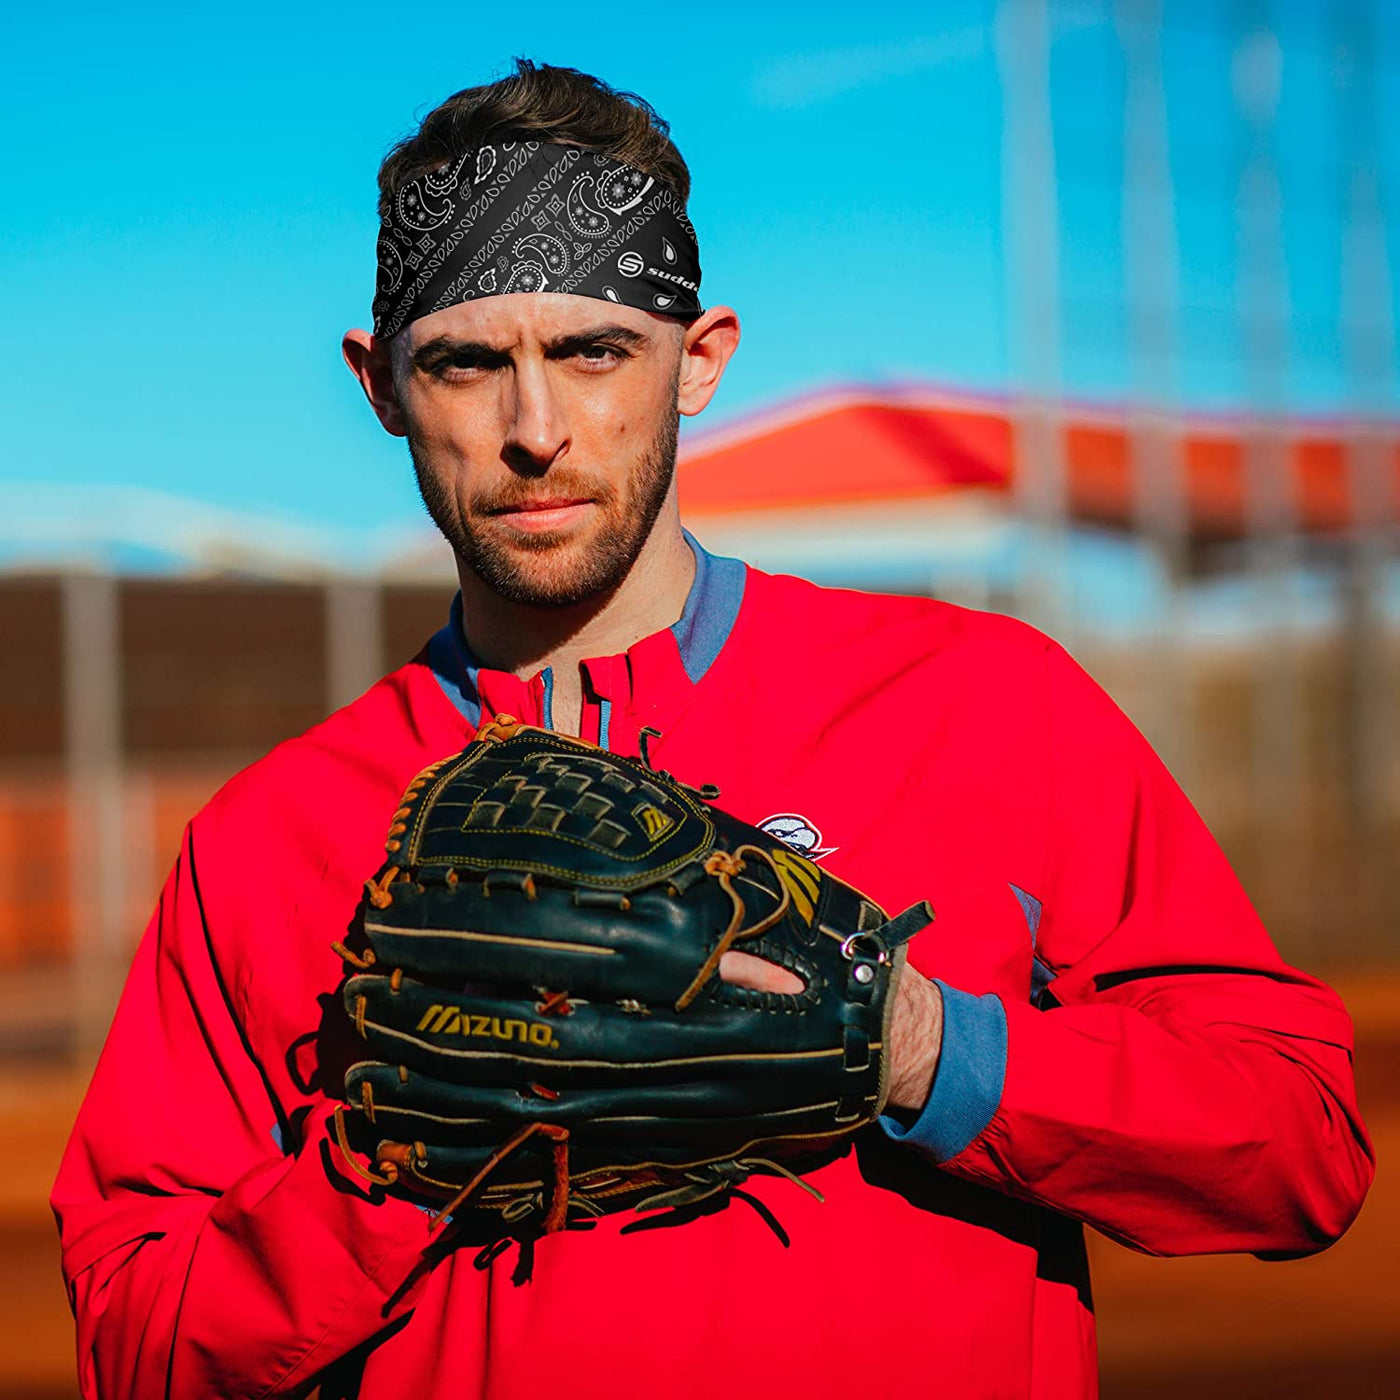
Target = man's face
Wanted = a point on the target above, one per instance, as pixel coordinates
(542, 429)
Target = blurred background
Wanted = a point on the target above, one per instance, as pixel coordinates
(1081, 311)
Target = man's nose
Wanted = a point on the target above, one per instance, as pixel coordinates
(537, 430)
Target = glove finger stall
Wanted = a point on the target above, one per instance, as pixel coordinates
(453, 1165)
(430, 1110)
(597, 948)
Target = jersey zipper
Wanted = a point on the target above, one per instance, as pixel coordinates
(547, 703)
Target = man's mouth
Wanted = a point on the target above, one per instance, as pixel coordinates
(545, 513)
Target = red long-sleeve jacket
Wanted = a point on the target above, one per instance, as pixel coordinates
(1123, 1046)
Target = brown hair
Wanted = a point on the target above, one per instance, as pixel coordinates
(538, 102)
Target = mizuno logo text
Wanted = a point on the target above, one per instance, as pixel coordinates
(452, 1020)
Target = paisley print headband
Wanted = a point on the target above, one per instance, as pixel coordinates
(524, 216)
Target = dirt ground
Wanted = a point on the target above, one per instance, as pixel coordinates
(1212, 1328)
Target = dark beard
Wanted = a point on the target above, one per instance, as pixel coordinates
(610, 556)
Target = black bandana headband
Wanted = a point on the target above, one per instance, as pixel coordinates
(528, 217)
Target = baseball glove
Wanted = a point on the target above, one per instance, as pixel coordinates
(539, 995)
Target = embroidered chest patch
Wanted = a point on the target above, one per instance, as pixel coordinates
(796, 831)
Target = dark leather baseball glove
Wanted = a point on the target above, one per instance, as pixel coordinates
(545, 1025)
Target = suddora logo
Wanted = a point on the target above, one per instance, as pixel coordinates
(797, 832)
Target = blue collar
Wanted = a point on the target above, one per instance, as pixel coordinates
(711, 607)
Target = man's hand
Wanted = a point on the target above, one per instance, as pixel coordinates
(916, 1028)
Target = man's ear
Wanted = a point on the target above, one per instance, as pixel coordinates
(709, 341)
(370, 363)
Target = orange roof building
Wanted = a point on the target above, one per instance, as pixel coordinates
(864, 447)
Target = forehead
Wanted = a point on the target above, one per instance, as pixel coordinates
(523, 317)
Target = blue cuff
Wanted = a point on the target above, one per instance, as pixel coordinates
(968, 1083)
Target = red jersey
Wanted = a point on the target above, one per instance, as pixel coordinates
(1123, 1046)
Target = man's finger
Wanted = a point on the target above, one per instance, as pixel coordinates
(745, 970)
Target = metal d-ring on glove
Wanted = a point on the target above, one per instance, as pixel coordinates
(539, 993)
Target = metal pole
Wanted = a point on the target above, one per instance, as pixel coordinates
(1031, 223)
(1368, 338)
(1153, 301)
(93, 741)
(1274, 558)
(354, 637)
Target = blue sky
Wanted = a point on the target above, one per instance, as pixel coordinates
(187, 220)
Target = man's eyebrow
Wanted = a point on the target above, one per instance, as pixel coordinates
(440, 346)
(433, 350)
(580, 340)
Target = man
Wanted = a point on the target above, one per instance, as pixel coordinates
(1102, 1031)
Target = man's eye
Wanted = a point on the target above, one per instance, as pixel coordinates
(453, 367)
(598, 354)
